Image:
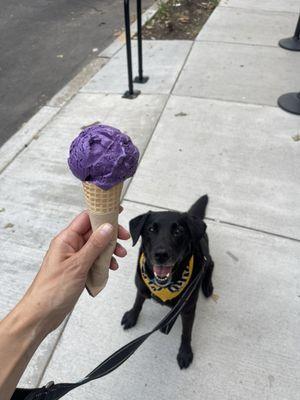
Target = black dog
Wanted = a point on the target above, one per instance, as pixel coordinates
(174, 248)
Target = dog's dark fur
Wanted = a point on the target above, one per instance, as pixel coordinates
(171, 238)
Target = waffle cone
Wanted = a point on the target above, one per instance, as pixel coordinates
(103, 206)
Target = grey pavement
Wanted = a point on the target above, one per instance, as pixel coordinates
(203, 124)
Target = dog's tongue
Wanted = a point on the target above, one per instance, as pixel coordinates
(161, 271)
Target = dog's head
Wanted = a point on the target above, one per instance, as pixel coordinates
(168, 238)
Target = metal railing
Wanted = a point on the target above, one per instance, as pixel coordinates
(131, 93)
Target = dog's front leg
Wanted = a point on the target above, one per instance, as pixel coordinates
(130, 317)
(207, 285)
(185, 354)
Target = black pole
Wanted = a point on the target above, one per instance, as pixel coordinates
(292, 43)
(290, 102)
(130, 93)
(297, 31)
(140, 78)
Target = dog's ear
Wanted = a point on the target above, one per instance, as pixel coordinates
(197, 228)
(136, 226)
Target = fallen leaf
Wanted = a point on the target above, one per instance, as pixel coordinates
(2, 209)
(296, 138)
(36, 136)
(122, 37)
(9, 225)
(215, 297)
(184, 19)
(60, 56)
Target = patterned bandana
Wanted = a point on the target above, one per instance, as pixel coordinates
(174, 288)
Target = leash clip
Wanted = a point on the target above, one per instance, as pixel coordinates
(49, 384)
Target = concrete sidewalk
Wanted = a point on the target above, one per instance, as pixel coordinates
(207, 122)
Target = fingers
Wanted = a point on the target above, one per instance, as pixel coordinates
(123, 233)
(88, 235)
(80, 224)
(95, 245)
(120, 251)
(113, 264)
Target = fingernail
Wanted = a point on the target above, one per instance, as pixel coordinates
(106, 228)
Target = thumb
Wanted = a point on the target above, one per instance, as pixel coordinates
(96, 244)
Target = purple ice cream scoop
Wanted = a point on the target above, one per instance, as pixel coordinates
(103, 155)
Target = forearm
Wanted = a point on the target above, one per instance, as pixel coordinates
(21, 332)
(51, 296)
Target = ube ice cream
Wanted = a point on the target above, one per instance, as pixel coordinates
(103, 155)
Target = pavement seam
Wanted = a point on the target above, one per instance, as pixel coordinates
(259, 10)
(219, 221)
(238, 43)
(226, 101)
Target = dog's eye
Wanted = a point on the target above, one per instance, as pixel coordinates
(151, 229)
(178, 230)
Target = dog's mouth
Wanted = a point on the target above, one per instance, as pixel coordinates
(162, 274)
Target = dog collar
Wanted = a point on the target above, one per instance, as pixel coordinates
(173, 289)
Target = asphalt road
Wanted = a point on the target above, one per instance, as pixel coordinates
(44, 44)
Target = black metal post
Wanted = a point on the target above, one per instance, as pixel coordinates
(130, 93)
(290, 102)
(292, 43)
(140, 78)
(297, 31)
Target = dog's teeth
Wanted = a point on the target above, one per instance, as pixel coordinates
(161, 279)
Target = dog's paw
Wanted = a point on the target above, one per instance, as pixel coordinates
(129, 319)
(185, 356)
(208, 289)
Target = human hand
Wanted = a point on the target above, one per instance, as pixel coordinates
(63, 273)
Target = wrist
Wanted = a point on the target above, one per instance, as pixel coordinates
(28, 320)
(20, 335)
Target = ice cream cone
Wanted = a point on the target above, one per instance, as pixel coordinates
(103, 206)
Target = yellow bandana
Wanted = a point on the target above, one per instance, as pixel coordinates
(174, 289)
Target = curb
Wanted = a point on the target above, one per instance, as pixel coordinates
(30, 129)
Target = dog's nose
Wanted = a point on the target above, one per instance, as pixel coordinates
(161, 256)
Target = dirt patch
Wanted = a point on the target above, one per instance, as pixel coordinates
(179, 19)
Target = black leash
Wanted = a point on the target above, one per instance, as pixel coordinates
(55, 391)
